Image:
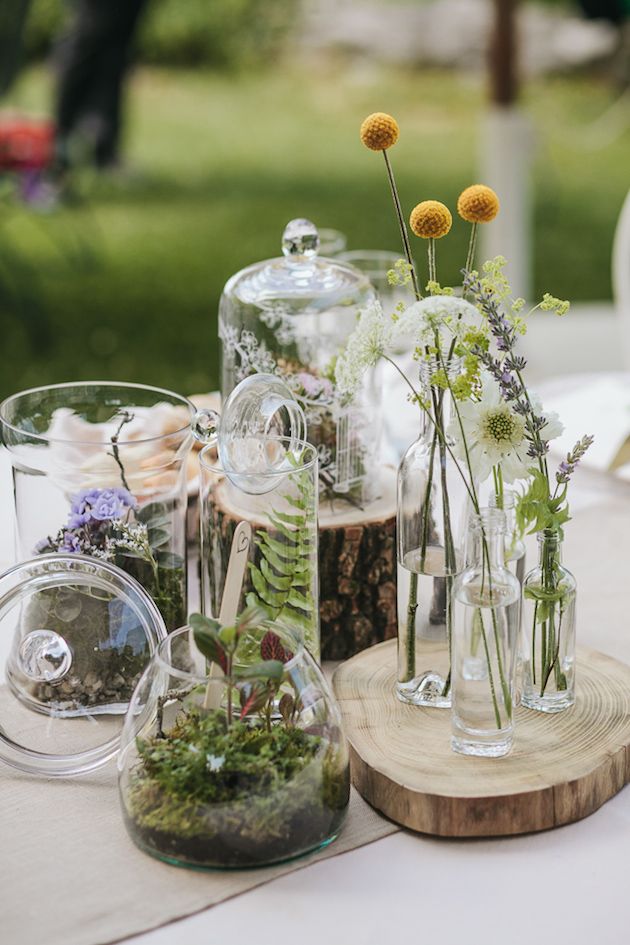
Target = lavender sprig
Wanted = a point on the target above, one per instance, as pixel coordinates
(567, 466)
(507, 369)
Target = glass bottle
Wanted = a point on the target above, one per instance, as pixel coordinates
(514, 544)
(432, 512)
(549, 595)
(486, 607)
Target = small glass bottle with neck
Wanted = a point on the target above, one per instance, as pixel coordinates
(433, 507)
(486, 611)
(514, 545)
(549, 595)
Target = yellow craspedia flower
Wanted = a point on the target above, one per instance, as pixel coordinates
(379, 131)
(430, 220)
(478, 204)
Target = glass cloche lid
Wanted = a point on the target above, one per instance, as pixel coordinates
(260, 429)
(299, 279)
(75, 635)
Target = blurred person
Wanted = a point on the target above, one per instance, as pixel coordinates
(92, 61)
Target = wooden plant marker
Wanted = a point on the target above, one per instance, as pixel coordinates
(562, 767)
(235, 575)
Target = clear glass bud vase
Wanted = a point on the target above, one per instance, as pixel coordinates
(432, 511)
(486, 609)
(514, 545)
(549, 595)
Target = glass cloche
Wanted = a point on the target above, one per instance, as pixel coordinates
(291, 317)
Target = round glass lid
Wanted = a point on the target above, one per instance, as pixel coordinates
(75, 635)
(260, 429)
(300, 278)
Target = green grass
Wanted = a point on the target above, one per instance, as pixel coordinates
(130, 279)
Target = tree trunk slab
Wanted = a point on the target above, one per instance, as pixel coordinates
(562, 767)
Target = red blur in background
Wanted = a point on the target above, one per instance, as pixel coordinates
(26, 144)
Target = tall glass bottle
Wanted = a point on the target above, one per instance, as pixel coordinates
(432, 511)
(549, 596)
(514, 545)
(486, 609)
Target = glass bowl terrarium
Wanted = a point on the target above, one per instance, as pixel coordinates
(239, 765)
(100, 469)
(291, 317)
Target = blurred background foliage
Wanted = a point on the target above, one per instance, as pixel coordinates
(218, 33)
(124, 281)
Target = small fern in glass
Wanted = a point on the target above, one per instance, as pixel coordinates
(282, 571)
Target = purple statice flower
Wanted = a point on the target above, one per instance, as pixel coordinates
(99, 505)
(313, 386)
(71, 542)
(111, 504)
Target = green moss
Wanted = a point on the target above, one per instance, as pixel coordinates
(245, 796)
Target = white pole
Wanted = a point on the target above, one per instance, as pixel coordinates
(505, 162)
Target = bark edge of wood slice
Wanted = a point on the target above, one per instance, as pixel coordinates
(562, 767)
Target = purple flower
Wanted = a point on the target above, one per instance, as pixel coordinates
(84, 500)
(312, 386)
(111, 503)
(99, 505)
(78, 519)
(71, 543)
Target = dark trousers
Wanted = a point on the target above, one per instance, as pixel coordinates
(92, 61)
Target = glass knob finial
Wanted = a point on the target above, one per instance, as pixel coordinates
(44, 656)
(300, 240)
(205, 425)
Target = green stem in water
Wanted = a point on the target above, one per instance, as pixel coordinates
(412, 607)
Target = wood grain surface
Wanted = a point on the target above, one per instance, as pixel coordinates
(562, 767)
(357, 564)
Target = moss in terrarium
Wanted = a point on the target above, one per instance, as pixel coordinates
(235, 797)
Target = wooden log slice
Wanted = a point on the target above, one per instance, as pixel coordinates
(357, 565)
(357, 573)
(562, 767)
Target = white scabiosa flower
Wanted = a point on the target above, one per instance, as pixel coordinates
(435, 313)
(553, 427)
(493, 435)
(366, 345)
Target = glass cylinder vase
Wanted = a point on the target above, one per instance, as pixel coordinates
(549, 597)
(485, 643)
(233, 768)
(281, 507)
(100, 469)
(433, 505)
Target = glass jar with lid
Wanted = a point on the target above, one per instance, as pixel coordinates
(291, 317)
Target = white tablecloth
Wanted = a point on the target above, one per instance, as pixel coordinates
(566, 885)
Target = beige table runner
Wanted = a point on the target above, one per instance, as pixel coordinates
(69, 875)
